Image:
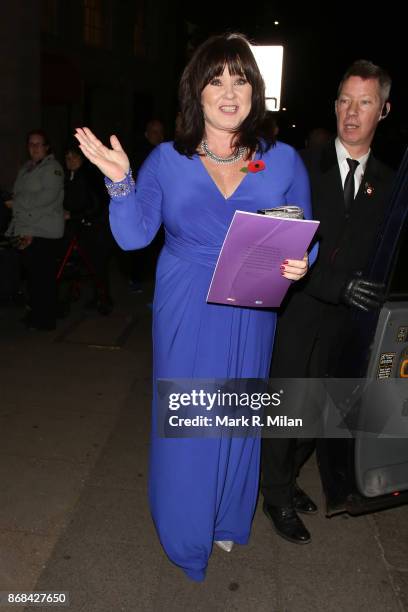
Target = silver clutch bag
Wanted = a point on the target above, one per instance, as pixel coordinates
(288, 212)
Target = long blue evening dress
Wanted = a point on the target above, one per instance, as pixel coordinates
(202, 489)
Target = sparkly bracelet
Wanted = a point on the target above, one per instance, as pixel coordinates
(122, 188)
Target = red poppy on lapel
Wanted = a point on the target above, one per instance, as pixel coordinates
(254, 166)
(368, 189)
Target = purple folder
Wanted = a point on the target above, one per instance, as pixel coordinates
(248, 267)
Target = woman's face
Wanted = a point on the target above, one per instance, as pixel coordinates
(226, 101)
(37, 149)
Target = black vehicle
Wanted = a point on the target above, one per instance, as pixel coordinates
(368, 473)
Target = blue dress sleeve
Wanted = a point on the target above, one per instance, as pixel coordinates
(135, 210)
(299, 194)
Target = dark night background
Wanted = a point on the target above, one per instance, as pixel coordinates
(318, 48)
(112, 65)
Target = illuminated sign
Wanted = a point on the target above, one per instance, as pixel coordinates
(270, 61)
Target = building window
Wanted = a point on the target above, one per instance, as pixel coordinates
(138, 31)
(49, 16)
(93, 23)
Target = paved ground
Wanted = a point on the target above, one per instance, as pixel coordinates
(74, 417)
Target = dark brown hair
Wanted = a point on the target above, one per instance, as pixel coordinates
(367, 70)
(209, 61)
(39, 132)
(73, 147)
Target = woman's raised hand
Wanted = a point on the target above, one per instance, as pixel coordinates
(114, 163)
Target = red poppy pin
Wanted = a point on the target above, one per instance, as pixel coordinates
(254, 166)
(368, 189)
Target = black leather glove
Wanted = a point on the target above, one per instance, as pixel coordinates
(364, 294)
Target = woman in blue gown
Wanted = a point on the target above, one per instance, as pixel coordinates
(204, 490)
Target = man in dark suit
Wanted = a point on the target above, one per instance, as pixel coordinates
(350, 192)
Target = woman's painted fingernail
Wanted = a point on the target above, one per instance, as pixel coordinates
(286, 261)
(282, 267)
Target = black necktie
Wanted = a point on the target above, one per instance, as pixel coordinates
(349, 184)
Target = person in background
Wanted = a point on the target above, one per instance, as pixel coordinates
(81, 201)
(153, 135)
(317, 137)
(36, 225)
(350, 192)
(203, 490)
(10, 268)
(142, 262)
(6, 205)
(85, 210)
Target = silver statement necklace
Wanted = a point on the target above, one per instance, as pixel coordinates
(222, 160)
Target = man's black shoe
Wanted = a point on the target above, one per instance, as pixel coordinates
(302, 502)
(287, 524)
